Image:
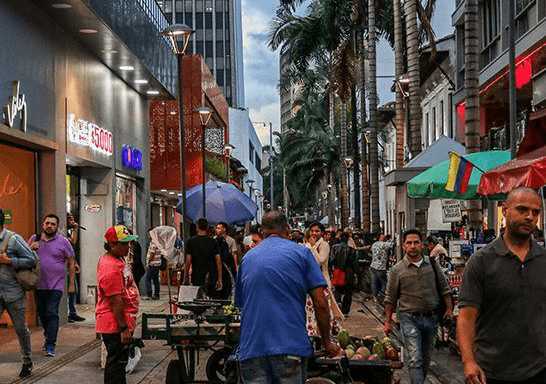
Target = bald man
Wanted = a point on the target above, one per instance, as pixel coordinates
(502, 318)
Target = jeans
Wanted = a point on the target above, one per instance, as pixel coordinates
(379, 281)
(16, 311)
(116, 360)
(418, 334)
(275, 369)
(152, 274)
(344, 296)
(47, 305)
(72, 297)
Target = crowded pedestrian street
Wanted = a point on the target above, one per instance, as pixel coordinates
(273, 191)
(79, 354)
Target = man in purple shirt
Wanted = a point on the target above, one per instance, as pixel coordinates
(54, 252)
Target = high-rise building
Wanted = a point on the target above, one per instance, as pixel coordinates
(218, 38)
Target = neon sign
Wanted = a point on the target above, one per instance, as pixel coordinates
(131, 157)
(90, 135)
(16, 105)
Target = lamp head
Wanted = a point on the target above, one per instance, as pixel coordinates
(348, 161)
(205, 114)
(249, 181)
(228, 149)
(179, 34)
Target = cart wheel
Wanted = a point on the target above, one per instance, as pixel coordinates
(173, 373)
(215, 366)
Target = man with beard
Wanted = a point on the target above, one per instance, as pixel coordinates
(117, 305)
(54, 252)
(501, 323)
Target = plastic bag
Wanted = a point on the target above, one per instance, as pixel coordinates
(133, 360)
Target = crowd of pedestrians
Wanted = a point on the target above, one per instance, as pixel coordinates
(296, 283)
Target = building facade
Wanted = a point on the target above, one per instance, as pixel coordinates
(218, 38)
(530, 71)
(199, 90)
(248, 150)
(74, 130)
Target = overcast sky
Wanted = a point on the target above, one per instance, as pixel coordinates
(261, 65)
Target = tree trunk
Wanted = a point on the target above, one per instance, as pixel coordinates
(374, 161)
(399, 71)
(363, 119)
(332, 189)
(331, 200)
(356, 159)
(344, 183)
(410, 8)
(472, 102)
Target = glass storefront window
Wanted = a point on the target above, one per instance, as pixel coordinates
(126, 202)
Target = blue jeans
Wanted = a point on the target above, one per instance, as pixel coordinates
(16, 311)
(274, 369)
(418, 334)
(72, 297)
(379, 281)
(152, 274)
(47, 305)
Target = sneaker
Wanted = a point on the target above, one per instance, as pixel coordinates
(50, 351)
(147, 298)
(155, 298)
(44, 348)
(72, 319)
(26, 370)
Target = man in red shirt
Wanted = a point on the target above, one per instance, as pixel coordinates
(117, 305)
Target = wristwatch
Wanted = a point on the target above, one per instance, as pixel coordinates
(123, 329)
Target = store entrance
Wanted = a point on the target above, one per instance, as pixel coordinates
(73, 207)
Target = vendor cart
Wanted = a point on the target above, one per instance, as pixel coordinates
(204, 328)
(343, 370)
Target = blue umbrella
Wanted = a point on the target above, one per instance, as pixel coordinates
(224, 203)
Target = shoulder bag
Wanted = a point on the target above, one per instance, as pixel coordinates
(29, 279)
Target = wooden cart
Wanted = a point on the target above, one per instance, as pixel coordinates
(190, 333)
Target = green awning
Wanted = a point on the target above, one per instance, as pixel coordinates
(431, 183)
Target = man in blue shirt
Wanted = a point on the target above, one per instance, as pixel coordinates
(272, 283)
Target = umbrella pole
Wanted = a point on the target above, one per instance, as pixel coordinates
(169, 288)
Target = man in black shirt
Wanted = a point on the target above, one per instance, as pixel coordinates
(501, 323)
(203, 256)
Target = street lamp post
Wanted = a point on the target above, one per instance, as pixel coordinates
(204, 115)
(249, 182)
(180, 34)
(228, 150)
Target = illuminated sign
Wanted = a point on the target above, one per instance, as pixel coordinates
(89, 135)
(16, 105)
(131, 157)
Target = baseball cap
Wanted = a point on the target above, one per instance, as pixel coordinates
(118, 233)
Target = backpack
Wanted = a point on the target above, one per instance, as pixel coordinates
(29, 279)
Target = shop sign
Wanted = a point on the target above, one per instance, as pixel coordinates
(451, 211)
(131, 157)
(89, 135)
(16, 105)
(92, 208)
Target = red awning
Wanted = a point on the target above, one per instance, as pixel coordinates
(528, 170)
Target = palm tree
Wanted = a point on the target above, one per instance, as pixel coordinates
(314, 39)
(399, 71)
(412, 38)
(472, 102)
(374, 161)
